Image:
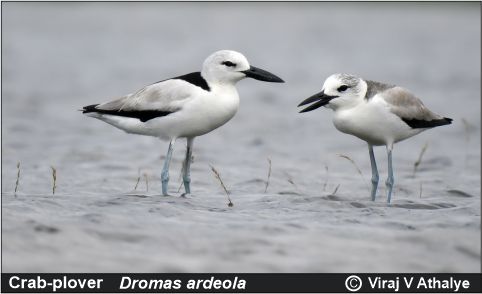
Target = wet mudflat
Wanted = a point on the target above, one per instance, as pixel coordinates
(315, 215)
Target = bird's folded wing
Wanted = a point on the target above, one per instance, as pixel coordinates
(408, 107)
(167, 96)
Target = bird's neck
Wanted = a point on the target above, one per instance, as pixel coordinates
(342, 105)
(223, 88)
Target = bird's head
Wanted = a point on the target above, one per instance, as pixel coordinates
(227, 66)
(339, 90)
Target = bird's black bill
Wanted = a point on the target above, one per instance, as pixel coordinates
(320, 99)
(262, 75)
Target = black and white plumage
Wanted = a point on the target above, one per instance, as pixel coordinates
(186, 106)
(378, 113)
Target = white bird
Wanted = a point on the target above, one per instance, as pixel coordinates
(186, 106)
(377, 113)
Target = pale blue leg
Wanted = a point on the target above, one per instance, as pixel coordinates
(165, 169)
(374, 172)
(186, 177)
(390, 180)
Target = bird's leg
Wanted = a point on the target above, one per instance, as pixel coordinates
(165, 169)
(186, 169)
(390, 180)
(374, 172)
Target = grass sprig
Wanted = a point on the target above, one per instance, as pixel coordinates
(54, 179)
(419, 160)
(17, 182)
(218, 176)
(269, 175)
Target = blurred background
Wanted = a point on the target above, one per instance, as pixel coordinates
(58, 57)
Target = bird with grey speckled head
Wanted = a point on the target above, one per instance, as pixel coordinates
(378, 113)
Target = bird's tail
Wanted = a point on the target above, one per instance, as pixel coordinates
(89, 108)
(448, 120)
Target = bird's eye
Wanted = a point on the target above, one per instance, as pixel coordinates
(228, 63)
(342, 88)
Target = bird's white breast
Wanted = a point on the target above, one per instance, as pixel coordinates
(373, 122)
(207, 112)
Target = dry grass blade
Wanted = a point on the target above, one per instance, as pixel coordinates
(419, 160)
(138, 178)
(420, 194)
(218, 176)
(466, 130)
(18, 178)
(146, 178)
(137, 183)
(180, 186)
(269, 176)
(356, 167)
(290, 180)
(326, 178)
(54, 179)
(180, 179)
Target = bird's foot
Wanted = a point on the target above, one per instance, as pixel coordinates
(185, 195)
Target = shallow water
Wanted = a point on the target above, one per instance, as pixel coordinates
(58, 57)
